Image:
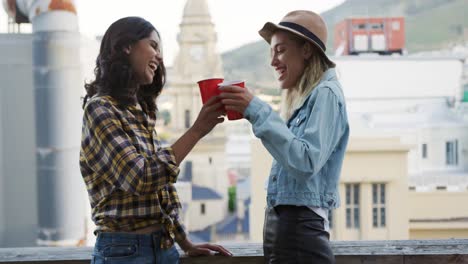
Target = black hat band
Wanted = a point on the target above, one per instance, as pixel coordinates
(304, 31)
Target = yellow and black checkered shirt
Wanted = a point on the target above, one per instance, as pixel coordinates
(129, 176)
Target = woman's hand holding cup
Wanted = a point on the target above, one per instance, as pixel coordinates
(235, 97)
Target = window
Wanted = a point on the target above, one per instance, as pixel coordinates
(187, 118)
(424, 151)
(202, 209)
(376, 26)
(359, 26)
(352, 206)
(451, 152)
(378, 205)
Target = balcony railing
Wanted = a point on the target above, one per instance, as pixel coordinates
(346, 252)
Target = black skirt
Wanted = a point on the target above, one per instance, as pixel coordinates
(295, 234)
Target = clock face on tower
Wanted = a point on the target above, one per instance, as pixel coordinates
(196, 53)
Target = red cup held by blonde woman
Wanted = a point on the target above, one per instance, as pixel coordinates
(233, 115)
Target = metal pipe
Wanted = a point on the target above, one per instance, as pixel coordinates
(57, 89)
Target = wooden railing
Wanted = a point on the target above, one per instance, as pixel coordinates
(346, 252)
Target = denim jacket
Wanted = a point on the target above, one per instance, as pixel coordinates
(308, 149)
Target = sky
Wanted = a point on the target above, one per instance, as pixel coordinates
(236, 21)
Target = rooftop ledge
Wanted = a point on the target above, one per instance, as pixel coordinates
(349, 252)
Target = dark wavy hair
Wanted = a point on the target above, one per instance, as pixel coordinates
(114, 74)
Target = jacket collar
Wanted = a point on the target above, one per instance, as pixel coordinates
(329, 75)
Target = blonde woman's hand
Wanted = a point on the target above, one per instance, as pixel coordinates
(235, 98)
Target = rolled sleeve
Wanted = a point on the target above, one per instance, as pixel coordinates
(179, 230)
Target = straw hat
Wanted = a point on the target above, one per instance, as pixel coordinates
(305, 24)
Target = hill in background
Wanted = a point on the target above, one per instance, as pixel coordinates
(430, 25)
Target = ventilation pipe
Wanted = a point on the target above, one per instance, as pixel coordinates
(58, 84)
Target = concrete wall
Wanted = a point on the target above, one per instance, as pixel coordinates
(399, 77)
(438, 214)
(438, 205)
(18, 212)
(238, 150)
(261, 164)
(214, 213)
(395, 252)
(439, 233)
(209, 165)
(369, 161)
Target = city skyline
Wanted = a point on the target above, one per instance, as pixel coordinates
(94, 18)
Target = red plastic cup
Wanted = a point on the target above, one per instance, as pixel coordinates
(209, 88)
(231, 114)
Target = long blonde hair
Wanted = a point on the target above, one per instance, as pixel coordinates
(316, 66)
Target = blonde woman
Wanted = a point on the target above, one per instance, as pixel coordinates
(308, 143)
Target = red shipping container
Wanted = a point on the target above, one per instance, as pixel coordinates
(383, 35)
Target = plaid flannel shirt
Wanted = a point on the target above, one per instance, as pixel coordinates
(129, 177)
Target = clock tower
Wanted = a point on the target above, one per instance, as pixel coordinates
(197, 59)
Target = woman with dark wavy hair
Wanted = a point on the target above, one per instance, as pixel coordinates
(129, 176)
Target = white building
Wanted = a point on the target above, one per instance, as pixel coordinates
(416, 98)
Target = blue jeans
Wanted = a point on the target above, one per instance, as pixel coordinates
(119, 248)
